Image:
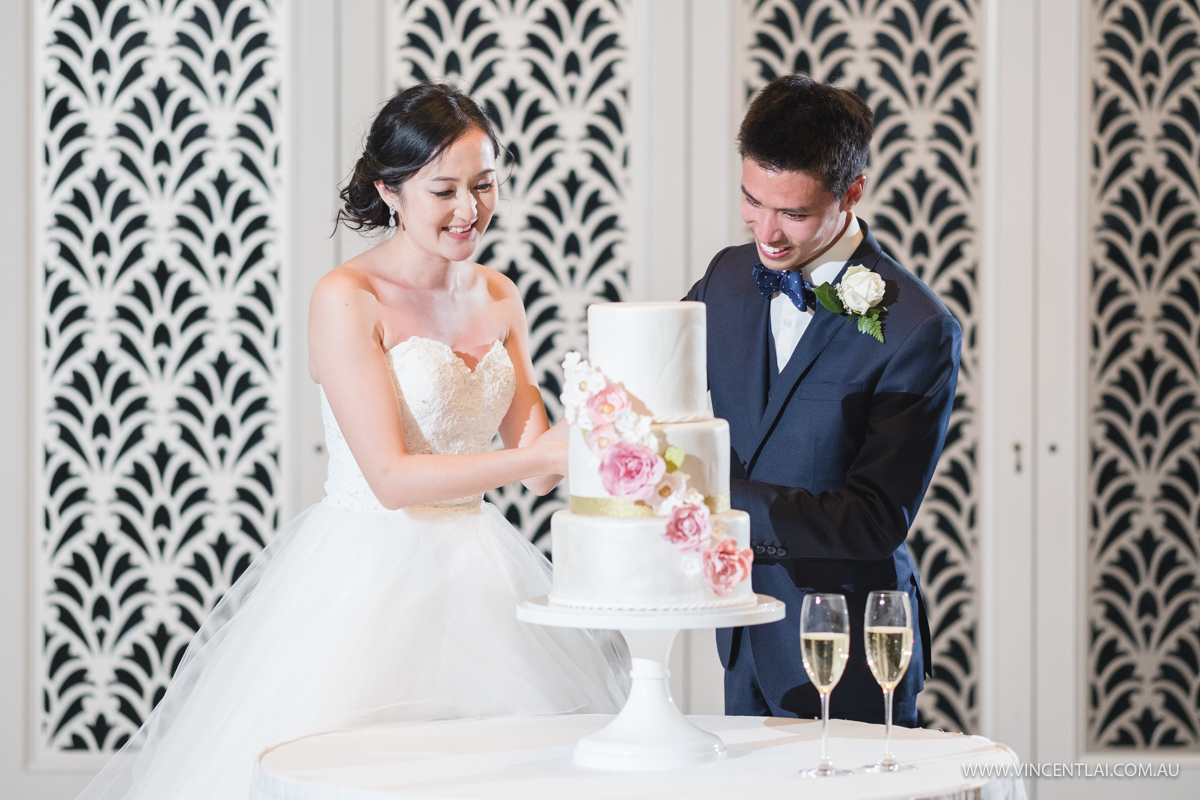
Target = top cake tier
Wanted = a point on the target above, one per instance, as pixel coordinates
(657, 351)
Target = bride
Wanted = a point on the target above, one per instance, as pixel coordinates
(394, 597)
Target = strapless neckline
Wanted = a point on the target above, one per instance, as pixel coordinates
(446, 407)
(438, 344)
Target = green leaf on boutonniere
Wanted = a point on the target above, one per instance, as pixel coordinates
(870, 323)
(674, 458)
(827, 296)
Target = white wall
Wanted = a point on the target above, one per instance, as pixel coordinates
(16, 640)
(683, 166)
(1008, 268)
(15, 316)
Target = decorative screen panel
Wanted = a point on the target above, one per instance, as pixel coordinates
(917, 64)
(1143, 555)
(158, 355)
(553, 77)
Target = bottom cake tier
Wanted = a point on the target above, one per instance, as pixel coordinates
(627, 564)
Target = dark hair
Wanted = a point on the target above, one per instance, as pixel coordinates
(410, 131)
(799, 125)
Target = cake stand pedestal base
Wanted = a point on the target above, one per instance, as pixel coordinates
(649, 733)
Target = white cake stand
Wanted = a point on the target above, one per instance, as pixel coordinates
(649, 733)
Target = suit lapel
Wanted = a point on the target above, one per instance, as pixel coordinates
(745, 374)
(756, 320)
(820, 332)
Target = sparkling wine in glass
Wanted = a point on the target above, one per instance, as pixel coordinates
(888, 636)
(824, 646)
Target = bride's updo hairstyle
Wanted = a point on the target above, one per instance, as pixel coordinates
(409, 132)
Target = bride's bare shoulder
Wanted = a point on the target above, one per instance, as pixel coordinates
(343, 294)
(344, 315)
(504, 297)
(346, 283)
(499, 286)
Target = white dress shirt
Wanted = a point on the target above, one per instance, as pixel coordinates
(787, 322)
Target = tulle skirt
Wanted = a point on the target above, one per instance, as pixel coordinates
(353, 617)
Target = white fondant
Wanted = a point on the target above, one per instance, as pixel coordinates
(706, 457)
(657, 352)
(602, 562)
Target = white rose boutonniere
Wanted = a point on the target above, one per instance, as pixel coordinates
(857, 297)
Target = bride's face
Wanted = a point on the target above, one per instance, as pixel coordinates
(446, 207)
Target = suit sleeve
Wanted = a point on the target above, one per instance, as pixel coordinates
(906, 430)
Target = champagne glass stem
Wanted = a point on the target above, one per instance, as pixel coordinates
(888, 758)
(825, 762)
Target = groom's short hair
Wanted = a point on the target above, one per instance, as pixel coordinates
(799, 125)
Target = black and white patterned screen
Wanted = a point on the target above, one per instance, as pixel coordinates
(917, 64)
(158, 353)
(553, 76)
(1143, 554)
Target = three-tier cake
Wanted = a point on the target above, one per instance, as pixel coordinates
(649, 526)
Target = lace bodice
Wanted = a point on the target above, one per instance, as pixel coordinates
(446, 407)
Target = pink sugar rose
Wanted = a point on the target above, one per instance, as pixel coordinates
(690, 527)
(725, 566)
(629, 471)
(605, 404)
(600, 438)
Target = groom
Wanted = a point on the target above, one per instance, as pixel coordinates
(835, 433)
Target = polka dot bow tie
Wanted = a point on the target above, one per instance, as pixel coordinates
(791, 283)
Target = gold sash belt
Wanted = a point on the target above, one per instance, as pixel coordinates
(616, 507)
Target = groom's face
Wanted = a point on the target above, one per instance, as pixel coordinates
(793, 217)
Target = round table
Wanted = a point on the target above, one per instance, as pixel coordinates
(531, 758)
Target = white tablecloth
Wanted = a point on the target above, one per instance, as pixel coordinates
(530, 759)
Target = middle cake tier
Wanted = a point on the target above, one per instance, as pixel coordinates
(705, 444)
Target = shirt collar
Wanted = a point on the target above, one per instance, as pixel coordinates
(826, 269)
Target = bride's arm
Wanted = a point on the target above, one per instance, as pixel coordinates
(348, 359)
(526, 424)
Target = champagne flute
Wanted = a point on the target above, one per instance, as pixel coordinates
(824, 646)
(888, 635)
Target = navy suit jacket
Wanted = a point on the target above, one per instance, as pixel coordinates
(830, 458)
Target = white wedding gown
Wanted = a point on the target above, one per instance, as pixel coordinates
(355, 614)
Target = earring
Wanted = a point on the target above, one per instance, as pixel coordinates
(391, 216)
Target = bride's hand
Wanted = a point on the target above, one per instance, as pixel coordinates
(552, 454)
(557, 453)
(559, 431)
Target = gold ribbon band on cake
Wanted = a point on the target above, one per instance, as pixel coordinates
(616, 507)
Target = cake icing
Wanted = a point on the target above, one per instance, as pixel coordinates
(657, 352)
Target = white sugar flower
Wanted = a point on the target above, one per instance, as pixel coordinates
(692, 564)
(580, 381)
(635, 428)
(669, 493)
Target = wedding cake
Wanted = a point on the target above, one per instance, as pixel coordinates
(649, 525)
